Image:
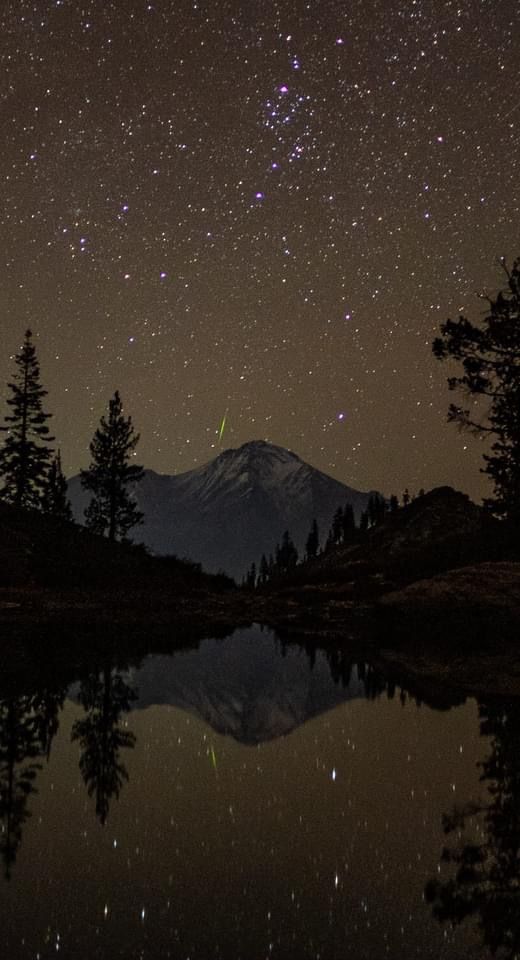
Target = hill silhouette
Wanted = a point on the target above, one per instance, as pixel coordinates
(439, 533)
(48, 565)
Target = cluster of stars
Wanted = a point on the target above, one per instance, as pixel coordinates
(275, 209)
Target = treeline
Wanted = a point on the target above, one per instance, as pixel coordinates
(31, 475)
(343, 531)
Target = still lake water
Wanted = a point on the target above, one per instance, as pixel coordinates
(240, 800)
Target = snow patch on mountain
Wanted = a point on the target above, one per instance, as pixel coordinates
(229, 511)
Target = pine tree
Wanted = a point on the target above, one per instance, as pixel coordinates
(112, 511)
(250, 581)
(286, 555)
(329, 543)
(337, 526)
(264, 570)
(55, 501)
(490, 357)
(277, 566)
(349, 524)
(24, 458)
(394, 504)
(313, 541)
(376, 509)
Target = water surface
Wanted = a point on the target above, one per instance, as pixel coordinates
(239, 800)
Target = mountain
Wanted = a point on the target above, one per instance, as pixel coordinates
(228, 512)
(242, 686)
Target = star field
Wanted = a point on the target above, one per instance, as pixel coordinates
(265, 209)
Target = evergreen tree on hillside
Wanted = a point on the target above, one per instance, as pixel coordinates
(349, 523)
(337, 526)
(376, 509)
(286, 555)
(264, 570)
(112, 511)
(25, 455)
(55, 501)
(489, 353)
(250, 578)
(313, 541)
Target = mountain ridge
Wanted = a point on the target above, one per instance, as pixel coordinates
(227, 512)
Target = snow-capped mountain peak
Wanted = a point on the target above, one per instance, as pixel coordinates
(229, 511)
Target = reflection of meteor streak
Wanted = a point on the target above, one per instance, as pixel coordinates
(222, 427)
(213, 758)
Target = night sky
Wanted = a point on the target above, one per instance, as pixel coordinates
(257, 209)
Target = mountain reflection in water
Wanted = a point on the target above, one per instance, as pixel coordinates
(253, 798)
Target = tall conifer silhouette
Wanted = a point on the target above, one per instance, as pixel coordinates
(112, 511)
(489, 353)
(25, 455)
(55, 501)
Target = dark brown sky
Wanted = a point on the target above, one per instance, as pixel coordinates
(264, 209)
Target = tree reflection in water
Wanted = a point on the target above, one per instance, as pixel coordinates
(28, 724)
(486, 884)
(105, 696)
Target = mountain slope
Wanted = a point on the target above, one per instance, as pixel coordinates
(243, 687)
(228, 512)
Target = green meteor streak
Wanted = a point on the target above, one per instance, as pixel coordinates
(222, 427)
(213, 758)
